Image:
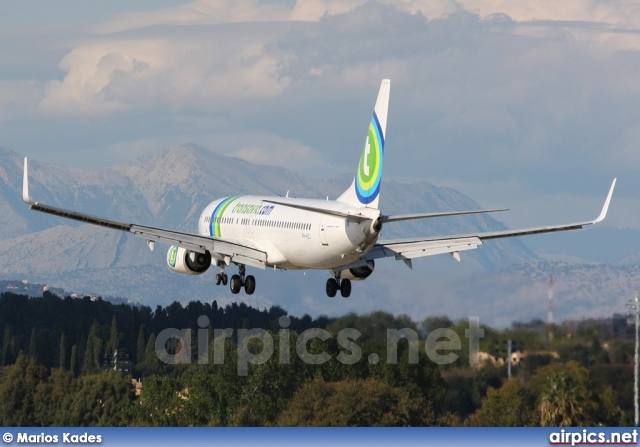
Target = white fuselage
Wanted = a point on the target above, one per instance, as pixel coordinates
(293, 238)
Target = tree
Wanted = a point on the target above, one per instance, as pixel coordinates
(351, 403)
(101, 400)
(268, 388)
(52, 397)
(161, 403)
(140, 345)
(73, 365)
(422, 378)
(507, 406)
(63, 352)
(559, 406)
(17, 390)
(33, 345)
(113, 339)
(7, 346)
(93, 353)
(564, 395)
(151, 363)
(88, 357)
(203, 405)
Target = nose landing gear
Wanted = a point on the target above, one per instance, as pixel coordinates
(221, 278)
(237, 282)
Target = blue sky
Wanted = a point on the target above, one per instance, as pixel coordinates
(31, 13)
(532, 106)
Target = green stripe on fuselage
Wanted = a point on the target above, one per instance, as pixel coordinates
(218, 216)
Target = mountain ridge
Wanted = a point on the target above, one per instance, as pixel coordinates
(170, 188)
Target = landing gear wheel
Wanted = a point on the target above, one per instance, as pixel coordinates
(218, 279)
(332, 287)
(236, 284)
(225, 279)
(249, 285)
(345, 288)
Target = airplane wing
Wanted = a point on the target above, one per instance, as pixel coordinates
(235, 251)
(407, 249)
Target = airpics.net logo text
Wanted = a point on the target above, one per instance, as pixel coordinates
(440, 345)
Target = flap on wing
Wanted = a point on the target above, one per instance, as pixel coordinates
(417, 249)
(249, 261)
(239, 251)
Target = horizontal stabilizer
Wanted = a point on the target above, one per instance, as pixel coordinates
(400, 217)
(317, 209)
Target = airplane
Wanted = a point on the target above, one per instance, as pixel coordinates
(341, 235)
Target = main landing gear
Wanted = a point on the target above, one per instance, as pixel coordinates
(335, 284)
(237, 281)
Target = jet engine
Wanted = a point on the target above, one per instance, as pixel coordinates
(358, 273)
(186, 261)
(376, 226)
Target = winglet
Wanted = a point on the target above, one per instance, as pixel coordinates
(25, 184)
(605, 207)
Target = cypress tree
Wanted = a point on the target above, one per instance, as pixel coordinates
(6, 358)
(88, 357)
(73, 367)
(141, 345)
(150, 357)
(113, 340)
(97, 353)
(63, 352)
(93, 353)
(33, 345)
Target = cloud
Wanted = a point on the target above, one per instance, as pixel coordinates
(120, 74)
(621, 12)
(272, 150)
(98, 75)
(201, 12)
(16, 97)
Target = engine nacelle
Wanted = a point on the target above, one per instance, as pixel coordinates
(375, 226)
(358, 273)
(186, 261)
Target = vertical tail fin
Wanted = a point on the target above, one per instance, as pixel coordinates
(365, 189)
